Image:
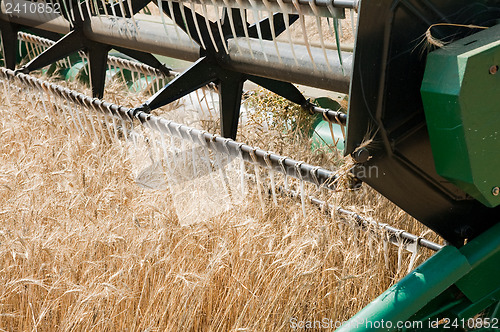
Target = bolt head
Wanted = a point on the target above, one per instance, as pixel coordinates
(495, 191)
(362, 155)
(493, 70)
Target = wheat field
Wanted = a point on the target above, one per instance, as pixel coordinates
(84, 248)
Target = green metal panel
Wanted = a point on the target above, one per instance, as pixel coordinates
(454, 283)
(461, 96)
(484, 257)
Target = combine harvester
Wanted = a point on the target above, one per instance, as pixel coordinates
(424, 94)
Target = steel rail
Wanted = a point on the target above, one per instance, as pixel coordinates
(325, 8)
(154, 37)
(290, 167)
(394, 235)
(329, 115)
(112, 60)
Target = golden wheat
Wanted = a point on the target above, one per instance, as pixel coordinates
(83, 248)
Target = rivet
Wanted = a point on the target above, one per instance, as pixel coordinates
(493, 70)
(495, 191)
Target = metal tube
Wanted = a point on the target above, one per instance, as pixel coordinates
(335, 77)
(300, 170)
(296, 169)
(150, 36)
(53, 22)
(305, 6)
(330, 115)
(395, 234)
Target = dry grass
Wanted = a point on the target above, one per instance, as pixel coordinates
(82, 248)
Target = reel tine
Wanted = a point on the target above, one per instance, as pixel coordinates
(258, 180)
(414, 249)
(131, 10)
(99, 124)
(270, 15)
(221, 170)
(95, 8)
(257, 19)
(159, 3)
(68, 13)
(80, 10)
(304, 31)
(68, 60)
(84, 59)
(75, 117)
(197, 26)
(133, 135)
(200, 100)
(209, 26)
(243, 15)
(298, 171)
(400, 253)
(115, 129)
(183, 151)
(171, 9)
(285, 174)
(87, 6)
(332, 27)
(122, 8)
(188, 29)
(228, 15)
(45, 106)
(319, 26)
(242, 171)
(286, 20)
(105, 7)
(107, 125)
(164, 149)
(153, 143)
(386, 248)
(271, 177)
(6, 87)
(336, 33)
(36, 50)
(83, 118)
(29, 49)
(19, 46)
(194, 156)
(206, 154)
(75, 128)
(219, 25)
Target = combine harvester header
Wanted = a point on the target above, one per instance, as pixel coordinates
(424, 92)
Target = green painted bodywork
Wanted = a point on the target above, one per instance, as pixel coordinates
(454, 284)
(462, 108)
(461, 97)
(322, 136)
